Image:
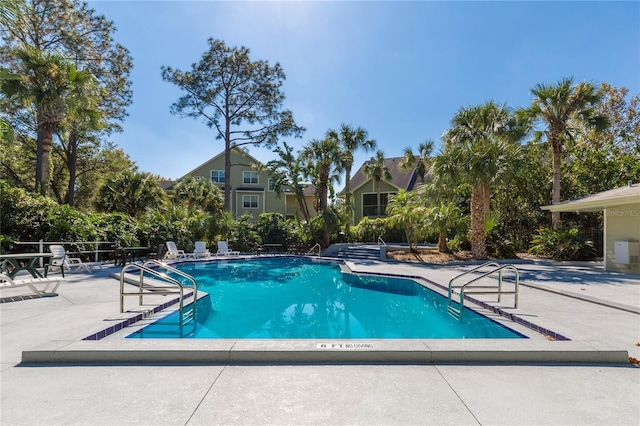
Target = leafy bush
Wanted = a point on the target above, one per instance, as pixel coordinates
(460, 242)
(24, 215)
(273, 229)
(368, 230)
(562, 245)
(243, 236)
(500, 247)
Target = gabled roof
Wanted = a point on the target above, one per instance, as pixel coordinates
(309, 189)
(400, 178)
(166, 184)
(629, 194)
(237, 151)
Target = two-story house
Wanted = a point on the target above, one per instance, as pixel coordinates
(252, 191)
(363, 188)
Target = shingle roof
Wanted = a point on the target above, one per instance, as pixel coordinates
(403, 179)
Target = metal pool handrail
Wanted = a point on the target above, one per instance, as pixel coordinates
(497, 289)
(157, 289)
(313, 248)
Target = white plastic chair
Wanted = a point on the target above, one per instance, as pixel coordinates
(173, 252)
(200, 251)
(72, 264)
(223, 249)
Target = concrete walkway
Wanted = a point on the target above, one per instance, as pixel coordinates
(329, 393)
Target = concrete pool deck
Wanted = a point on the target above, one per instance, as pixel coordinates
(598, 311)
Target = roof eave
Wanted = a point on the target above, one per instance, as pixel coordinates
(592, 205)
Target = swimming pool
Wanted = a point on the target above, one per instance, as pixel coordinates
(300, 298)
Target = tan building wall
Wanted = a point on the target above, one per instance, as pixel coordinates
(251, 192)
(621, 224)
(368, 188)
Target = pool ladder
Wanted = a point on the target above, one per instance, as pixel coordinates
(173, 286)
(481, 289)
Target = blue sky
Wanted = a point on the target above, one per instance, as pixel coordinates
(401, 70)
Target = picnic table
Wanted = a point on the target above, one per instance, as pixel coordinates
(16, 262)
(131, 253)
(271, 248)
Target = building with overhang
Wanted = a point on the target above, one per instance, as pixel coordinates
(621, 208)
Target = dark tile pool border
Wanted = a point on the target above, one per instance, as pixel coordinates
(549, 334)
(134, 319)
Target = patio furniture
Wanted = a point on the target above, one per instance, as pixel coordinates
(223, 249)
(72, 264)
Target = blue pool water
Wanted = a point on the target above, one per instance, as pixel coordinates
(299, 298)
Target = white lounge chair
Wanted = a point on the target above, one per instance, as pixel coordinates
(50, 284)
(223, 249)
(200, 251)
(72, 264)
(173, 252)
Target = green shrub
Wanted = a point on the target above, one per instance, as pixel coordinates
(562, 245)
(500, 247)
(368, 230)
(273, 229)
(243, 237)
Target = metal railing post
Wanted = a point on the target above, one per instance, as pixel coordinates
(41, 249)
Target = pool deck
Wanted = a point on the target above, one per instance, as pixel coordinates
(50, 376)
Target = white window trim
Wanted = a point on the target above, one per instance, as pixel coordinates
(220, 172)
(248, 198)
(271, 184)
(250, 173)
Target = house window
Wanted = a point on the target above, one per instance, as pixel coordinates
(217, 176)
(271, 184)
(250, 178)
(250, 201)
(370, 204)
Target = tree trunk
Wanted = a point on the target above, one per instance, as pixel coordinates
(486, 198)
(347, 197)
(73, 165)
(443, 247)
(45, 141)
(555, 194)
(227, 166)
(378, 198)
(478, 239)
(324, 189)
(302, 204)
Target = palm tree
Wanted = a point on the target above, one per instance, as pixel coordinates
(377, 169)
(199, 195)
(407, 209)
(439, 197)
(478, 149)
(555, 106)
(323, 164)
(48, 82)
(83, 119)
(287, 171)
(350, 139)
(131, 193)
(422, 161)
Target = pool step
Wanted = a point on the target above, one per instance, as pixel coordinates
(364, 252)
(453, 311)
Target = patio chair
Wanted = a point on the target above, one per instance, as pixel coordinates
(200, 251)
(50, 284)
(223, 249)
(72, 264)
(158, 254)
(173, 252)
